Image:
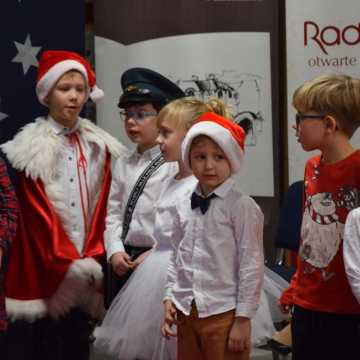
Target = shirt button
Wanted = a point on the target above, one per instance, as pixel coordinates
(70, 158)
(73, 204)
(71, 180)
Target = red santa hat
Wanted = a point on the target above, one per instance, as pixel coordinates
(228, 135)
(55, 63)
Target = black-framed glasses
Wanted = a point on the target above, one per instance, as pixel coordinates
(136, 115)
(300, 117)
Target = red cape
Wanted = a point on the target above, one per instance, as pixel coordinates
(42, 252)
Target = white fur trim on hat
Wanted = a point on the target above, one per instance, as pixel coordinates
(47, 81)
(96, 93)
(221, 136)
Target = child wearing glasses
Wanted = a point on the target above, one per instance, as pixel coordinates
(138, 176)
(326, 314)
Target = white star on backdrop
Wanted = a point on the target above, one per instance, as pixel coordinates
(26, 55)
(3, 116)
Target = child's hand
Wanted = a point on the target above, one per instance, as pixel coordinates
(121, 263)
(284, 307)
(169, 320)
(141, 258)
(239, 337)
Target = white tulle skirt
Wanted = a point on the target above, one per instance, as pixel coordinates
(131, 327)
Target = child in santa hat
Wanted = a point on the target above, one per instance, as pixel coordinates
(53, 287)
(216, 269)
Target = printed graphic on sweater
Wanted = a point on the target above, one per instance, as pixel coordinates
(322, 231)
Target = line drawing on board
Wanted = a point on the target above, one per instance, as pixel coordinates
(231, 87)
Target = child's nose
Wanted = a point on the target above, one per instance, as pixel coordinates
(131, 120)
(209, 163)
(73, 94)
(159, 139)
(296, 128)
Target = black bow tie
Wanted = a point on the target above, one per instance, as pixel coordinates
(201, 202)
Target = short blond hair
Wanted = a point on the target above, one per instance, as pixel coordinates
(336, 95)
(185, 111)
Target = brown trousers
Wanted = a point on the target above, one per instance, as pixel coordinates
(206, 338)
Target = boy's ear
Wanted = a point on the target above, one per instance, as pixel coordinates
(331, 123)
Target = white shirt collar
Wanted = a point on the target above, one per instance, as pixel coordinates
(221, 190)
(150, 153)
(60, 129)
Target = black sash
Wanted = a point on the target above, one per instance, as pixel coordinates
(137, 191)
(113, 282)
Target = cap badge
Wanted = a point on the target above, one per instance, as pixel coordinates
(131, 88)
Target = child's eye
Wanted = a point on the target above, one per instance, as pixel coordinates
(219, 157)
(164, 132)
(140, 115)
(63, 88)
(200, 157)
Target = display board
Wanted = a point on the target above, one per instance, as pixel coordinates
(323, 36)
(209, 48)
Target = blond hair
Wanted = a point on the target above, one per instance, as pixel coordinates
(184, 112)
(336, 95)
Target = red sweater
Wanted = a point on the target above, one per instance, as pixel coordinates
(320, 283)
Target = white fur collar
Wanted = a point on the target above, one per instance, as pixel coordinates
(36, 148)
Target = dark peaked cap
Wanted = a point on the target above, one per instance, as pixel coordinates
(145, 85)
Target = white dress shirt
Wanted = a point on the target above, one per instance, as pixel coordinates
(69, 180)
(351, 251)
(126, 172)
(218, 257)
(173, 191)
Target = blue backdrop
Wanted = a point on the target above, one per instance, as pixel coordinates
(28, 27)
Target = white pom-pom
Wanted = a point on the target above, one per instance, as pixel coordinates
(96, 93)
